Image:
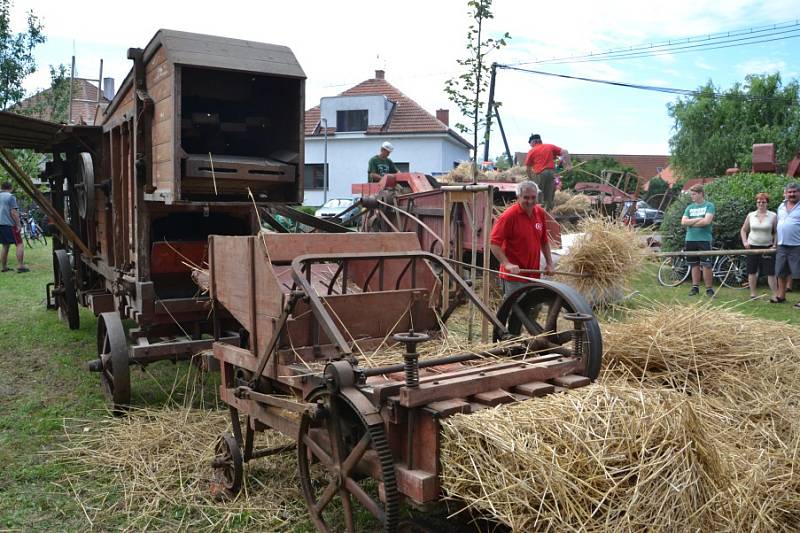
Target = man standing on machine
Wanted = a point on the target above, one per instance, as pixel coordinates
(541, 166)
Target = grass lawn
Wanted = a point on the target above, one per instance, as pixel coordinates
(44, 385)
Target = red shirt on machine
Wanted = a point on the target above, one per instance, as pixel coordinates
(542, 156)
(521, 238)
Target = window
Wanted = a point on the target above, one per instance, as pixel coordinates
(314, 176)
(401, 167)
(355, 120)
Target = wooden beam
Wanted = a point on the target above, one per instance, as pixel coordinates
(715, 253)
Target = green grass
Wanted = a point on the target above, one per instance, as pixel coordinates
(44, 385)
(648, 288)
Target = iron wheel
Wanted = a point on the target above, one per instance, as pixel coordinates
(112, 349)
(66, 297)
(228, 467)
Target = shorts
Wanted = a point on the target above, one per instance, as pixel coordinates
(787, 261)
(7, 235)
(698, 246)
(763, 264)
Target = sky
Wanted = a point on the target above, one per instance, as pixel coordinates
(418, 43)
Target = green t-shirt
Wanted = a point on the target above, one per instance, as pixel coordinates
(699, 211)
(380, 166)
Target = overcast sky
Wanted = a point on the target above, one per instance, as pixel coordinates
(340, 44)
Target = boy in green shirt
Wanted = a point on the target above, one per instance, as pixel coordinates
(697, 218)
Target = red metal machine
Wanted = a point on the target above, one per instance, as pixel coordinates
(367, 429)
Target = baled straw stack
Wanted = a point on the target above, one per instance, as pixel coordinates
(608, 254)
(462, 174)
(601, 458)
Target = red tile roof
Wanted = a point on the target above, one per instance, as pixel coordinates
(646, 166)
(82, 112)
(406, 117)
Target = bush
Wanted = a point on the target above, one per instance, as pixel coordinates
(734, 197)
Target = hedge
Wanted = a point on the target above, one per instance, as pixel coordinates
(733, 197)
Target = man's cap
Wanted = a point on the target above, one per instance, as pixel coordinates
(534, 137)
(387, 146)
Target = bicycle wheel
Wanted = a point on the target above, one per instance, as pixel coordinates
(673, 271)
(731, 272)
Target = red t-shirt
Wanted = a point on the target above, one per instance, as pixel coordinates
(521, 238)
(541, 157)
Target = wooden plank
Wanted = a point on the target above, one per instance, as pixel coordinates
(160, 90)
(490, 379)
(286, 246)
(159, 57)
(162, 152)
(492, 397)
(163, 133)
(571, 381)
(535, 388)
(163, 174)
(447, 408)
(163, 110)
(419, 485)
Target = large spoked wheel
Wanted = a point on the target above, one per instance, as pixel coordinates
(673, 271)
(731, 271)
(354, 460)
(66, 298)
(84, 186)
(228, 468)
(540, 309)
(112, 349)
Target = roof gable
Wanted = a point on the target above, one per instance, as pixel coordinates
(84, 103)
(406, 117)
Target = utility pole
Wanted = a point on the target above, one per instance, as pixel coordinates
(489, 109)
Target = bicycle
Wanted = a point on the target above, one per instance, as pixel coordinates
(31, 231)
(729, 270)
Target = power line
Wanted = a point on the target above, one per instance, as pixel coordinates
(660, 48)
(669, 90)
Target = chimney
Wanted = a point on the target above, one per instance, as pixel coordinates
(108, 88)
(380, 75)
(443, 115)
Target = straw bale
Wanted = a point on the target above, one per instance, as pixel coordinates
(608, 254)
(461, 174)
(600, 458)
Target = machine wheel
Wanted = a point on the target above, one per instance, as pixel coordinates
(66, 298)
(228, 467)
(340, 440)
(84, 186)
(112, 349)
(541, 307)
(673, 271)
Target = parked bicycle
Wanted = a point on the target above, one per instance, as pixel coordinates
(32, 232)
(729, 270)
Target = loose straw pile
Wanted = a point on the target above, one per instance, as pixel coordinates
(596, 459)
(152, 469)
(608, 252)
(568, 204)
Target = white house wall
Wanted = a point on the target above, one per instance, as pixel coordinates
(348, 155)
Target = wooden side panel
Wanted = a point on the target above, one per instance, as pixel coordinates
(117, 194)
(159, 76)
(283, 247)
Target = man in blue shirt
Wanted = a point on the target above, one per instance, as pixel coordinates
(10, 228)
(697, 218)
(787, 257)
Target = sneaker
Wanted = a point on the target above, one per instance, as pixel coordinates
(6, 270)
(694, 292)
(710, 292)
(23, 269)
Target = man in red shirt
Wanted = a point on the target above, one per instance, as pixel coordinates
(518, 238)
(541, 166)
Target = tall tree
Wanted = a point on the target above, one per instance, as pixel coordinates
(466, 90)
(717, 131)
(16, 54)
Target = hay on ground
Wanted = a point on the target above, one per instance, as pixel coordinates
(595, 459)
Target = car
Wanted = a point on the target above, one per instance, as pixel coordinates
(645, 215)
(334, 207)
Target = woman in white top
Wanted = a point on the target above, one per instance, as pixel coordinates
(760, 231)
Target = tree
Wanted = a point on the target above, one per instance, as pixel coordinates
(717, 131)
(592, 170)
(51, 104)
(656, 187)
(466, 90)
(16, 54)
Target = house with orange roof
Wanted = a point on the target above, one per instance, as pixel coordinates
(349, 129)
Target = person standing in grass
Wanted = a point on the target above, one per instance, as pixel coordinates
(759, 232)
(697, 217)
(787, 256)
(10, 229)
